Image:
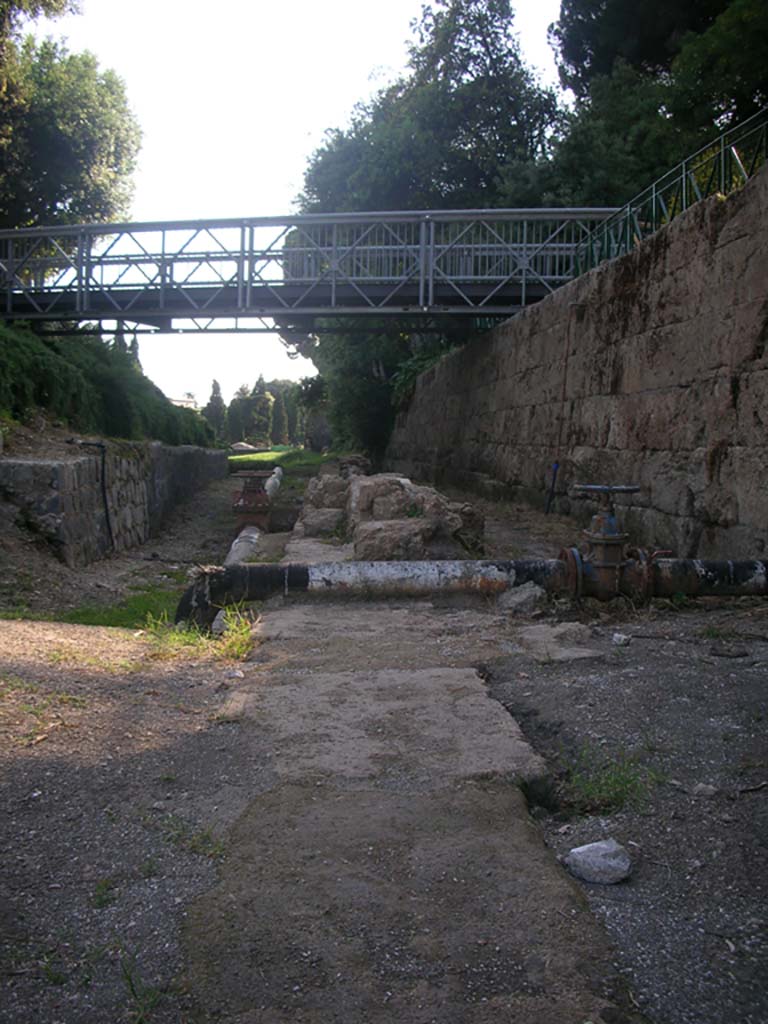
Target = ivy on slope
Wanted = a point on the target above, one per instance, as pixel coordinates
(92, 387)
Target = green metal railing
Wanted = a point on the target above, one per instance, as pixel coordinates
(720, 167)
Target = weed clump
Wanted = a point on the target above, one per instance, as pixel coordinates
(235, 643)
(596, 781)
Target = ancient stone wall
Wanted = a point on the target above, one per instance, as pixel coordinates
(650, 370)
(63, 500)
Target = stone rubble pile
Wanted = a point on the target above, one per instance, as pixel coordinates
(389, 518)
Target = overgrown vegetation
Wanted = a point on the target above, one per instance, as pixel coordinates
(91, 386)
(148, 604)
(269, 413)
(68, 145)
(235, 644)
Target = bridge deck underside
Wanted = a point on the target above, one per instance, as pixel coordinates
(145, 306)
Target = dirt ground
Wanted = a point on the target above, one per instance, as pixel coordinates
(159, 813)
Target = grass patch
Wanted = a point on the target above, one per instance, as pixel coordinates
(104, 893)
(716, 633)
(300, 461)
(149, 868)
(132, 613)
(52, 974)
(177, 832)
(235, 644)
(598, 782)
(143, 998)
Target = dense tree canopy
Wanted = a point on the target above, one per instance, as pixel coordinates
(12, 15)
(591, 35)
(68, 140)
(723, 71)
(437, 137)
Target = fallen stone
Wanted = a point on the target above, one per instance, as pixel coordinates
(326, 492)
(354, 465)
(621, 640)
(604, 863)
(436, 527)
(521, 600)
(322, 522)
(400, 540)
(364, 490)
(551, 643)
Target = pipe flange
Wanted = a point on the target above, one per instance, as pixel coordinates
(574, 570)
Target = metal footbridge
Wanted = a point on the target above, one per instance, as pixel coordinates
(295, 273)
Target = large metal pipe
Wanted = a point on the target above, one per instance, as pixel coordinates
(695, 577)
(216, 587)
(639, 578)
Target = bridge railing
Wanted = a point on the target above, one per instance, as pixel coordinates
(720, 167)
(489, 260)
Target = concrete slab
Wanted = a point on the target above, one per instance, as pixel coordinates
(391, 727)
(385, 868)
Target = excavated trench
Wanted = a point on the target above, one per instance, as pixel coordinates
(314, 744)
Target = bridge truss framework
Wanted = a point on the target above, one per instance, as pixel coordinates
(296, 274)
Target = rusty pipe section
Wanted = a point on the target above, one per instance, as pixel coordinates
(216, 587)
(643, 575)
(703, 578)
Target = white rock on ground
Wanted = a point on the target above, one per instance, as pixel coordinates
(603, 863)
(522, 600)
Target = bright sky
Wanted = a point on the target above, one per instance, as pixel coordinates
(232, 98)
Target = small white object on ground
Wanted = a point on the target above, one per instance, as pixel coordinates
(621, 639)
(603, 863)
(704, 789)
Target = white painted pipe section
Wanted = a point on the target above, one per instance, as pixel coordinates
(244, 544)
(408, 577)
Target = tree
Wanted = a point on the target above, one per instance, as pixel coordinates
(14, 12)
(591, 35)
(465, 125)
(617, 142)
(654, 82)
(239, 414)
(439, 135)
(279, 432)
(723, 71)
(293, 415)
(262, 402)
(68, 140)
(215, 412)
(133, 352)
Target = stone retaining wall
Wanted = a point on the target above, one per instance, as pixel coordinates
(62, 500)
(650, 370)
